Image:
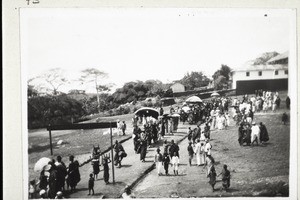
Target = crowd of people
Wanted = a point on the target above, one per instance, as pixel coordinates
(210, 115)
(54, 177)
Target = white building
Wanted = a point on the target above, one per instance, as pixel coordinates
(177, 87)
(271, 76)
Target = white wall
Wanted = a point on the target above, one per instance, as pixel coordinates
(177, 88)
(267, 74)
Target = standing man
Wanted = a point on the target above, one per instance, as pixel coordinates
(255, 134)
(174, 148)
(136, 136)
(123, 127)
(191, 153)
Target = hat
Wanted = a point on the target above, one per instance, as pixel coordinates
(59, 194)
(253, 123)
(42, 192)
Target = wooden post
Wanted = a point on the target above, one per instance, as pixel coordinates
(50, 140)
(112, 155)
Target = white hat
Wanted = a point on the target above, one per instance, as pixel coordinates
(253, 123)
(59, 193)
(42, 192)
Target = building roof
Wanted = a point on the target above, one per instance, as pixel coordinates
(177, 84)
(261, 67)
(269, 65)
(282, 56)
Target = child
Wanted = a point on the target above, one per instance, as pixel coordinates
(175, 162)
(158, 161)
(166, 162)
(91, 184)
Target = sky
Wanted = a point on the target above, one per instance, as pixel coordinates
(147, 43)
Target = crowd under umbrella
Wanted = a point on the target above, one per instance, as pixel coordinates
(41, 163)
(147, 111)
(194, 99)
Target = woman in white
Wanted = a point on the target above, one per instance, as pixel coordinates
(220, 122)
(198, 152)
(213, 119)
(175, 163)
(227, 119)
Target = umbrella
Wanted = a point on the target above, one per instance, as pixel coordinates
(147, 111)
(41, 163)
(186, 109)
(193, 99)
(215, 94)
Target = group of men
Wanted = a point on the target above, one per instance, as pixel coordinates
(54, 176)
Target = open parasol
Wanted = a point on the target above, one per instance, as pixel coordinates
(215, 94)
(193, 99)
(41, 163)
(147, 111)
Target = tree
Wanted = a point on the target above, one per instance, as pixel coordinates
(92, 75)
(52, 79)
(194, 79)
(223, 71)
(220, 82)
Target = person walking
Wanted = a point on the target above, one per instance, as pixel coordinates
(61, 173)
(212, 177)
(166, 162)
(225, 178)
(106, 160)
(158, 159)
(175, 162)
(123, 127)
(264, 136)
(143, 147)
(255, 134)
(73, 173)
(91, 184)
(198, 152)
(191, 152)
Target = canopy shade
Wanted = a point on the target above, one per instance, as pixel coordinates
(215, 94)
(147, 111)
(193, 99)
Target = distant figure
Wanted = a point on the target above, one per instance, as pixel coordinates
(61, 173)
(174, 149)
(91, 184)
(212, 177)
(73, 173)
(166, 162)
(284, 118)
(288, 102)
(190, 152)
(225, 177)
(175, 162)
(264, 136)
(123, 127)
(161, 111)
(255, 134)
(106, 160)
(158, 159)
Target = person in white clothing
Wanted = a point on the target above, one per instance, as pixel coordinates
(198, 152)
(175, 162)
(207, 148)
(255, 133)
(158, 161)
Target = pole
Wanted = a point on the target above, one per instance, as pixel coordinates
(50, 140)
(112, 155)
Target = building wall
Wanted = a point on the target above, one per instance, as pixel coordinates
(177, 87)
(266, 75)
(249, 86)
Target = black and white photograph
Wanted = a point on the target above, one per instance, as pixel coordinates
(158, 102)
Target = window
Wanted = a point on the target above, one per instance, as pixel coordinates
(286, 71)
(276, 72)
(247, 73)
(259, 73)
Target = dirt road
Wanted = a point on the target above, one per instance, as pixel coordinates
(256, 171)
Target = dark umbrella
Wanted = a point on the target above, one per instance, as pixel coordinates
(147, 111)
